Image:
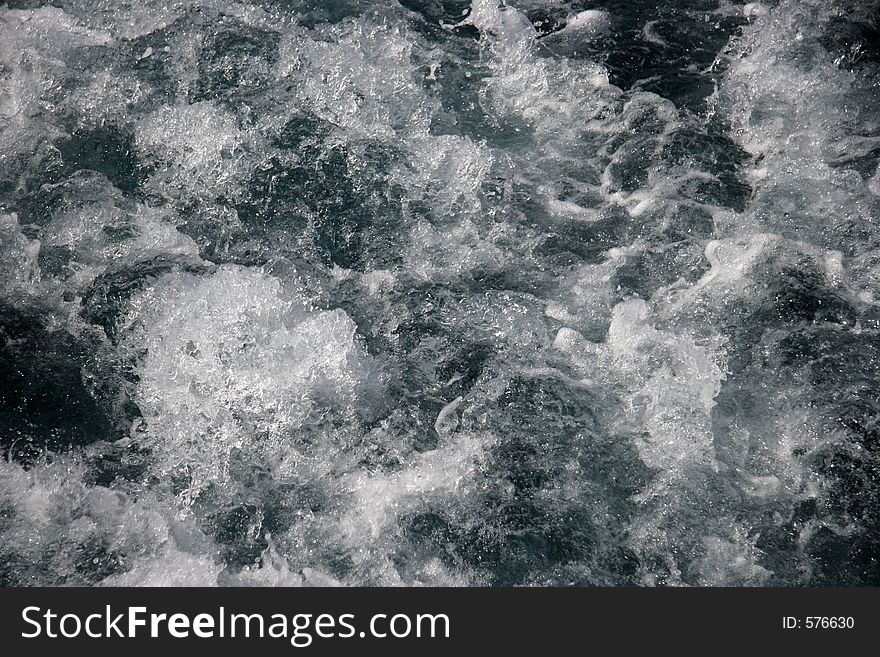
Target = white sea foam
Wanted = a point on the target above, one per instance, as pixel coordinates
(393, 300)
(233, 367)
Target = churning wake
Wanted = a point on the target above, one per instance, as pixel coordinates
(436, 292)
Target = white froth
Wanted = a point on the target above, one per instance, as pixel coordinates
(196, 149)
(255, 390)
(233, 366)
(61, 531)
(18, 256)
(359, 75)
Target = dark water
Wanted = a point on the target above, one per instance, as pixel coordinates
(440, 292)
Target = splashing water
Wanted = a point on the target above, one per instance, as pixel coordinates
(439, 293)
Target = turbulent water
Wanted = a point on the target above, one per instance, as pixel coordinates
(440, 292)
